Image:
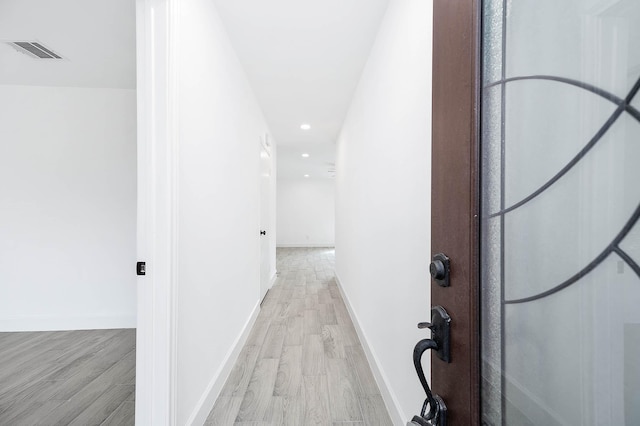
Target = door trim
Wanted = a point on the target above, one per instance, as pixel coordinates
(157, 233)
(455, 199)
(265, 146)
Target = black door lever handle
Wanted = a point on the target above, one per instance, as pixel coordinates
(437, 415)
(440, 326)
(421, 347)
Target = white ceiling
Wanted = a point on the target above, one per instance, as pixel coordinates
(304, 59)
(319, 164)
(96, 38)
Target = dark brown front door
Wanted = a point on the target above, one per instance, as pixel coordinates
(536, 203)
(455, 201)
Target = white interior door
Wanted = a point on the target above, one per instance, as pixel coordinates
(265, 232)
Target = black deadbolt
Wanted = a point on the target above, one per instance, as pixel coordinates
(437, 269)
(440, 269)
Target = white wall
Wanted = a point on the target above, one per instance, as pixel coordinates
(306, 212)
(383, 200)
(67, 208)
(219, 130)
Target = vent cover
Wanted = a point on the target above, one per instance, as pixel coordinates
(35, 49)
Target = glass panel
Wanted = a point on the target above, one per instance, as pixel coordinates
(631, 244)
(560, 238)
(491, 342)
(592, 41)
(575, 214)
(575, 373)
(631, 372)
(492, 171)
(547, 124)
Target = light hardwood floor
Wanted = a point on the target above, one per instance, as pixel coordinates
(67, 378)
(303, 363)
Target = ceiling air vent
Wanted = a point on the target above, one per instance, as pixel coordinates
(35, 49)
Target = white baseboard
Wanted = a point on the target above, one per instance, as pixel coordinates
(60, 323)
(389, 397)
(211, 393)
(273, 279)
(303, 245)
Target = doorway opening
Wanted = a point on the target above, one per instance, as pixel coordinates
(68, 207)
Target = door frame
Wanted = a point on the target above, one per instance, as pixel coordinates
(266, 145)
(455, 200)
(157, 231)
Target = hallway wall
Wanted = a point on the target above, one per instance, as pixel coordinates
(306, 212)
(383, 200)
(67, 208)
(220, 126)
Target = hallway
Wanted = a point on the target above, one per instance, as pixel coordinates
(302, 363)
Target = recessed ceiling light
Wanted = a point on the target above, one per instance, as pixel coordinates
(305, 155)
(305, 126)
(306, 176)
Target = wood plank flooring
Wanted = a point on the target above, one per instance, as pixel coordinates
(82, 377)
(303, 363)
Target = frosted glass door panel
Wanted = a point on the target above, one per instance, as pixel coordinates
(631, 244)
(591, 41)
(551, 122)
(560, 230)
(564, 376)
